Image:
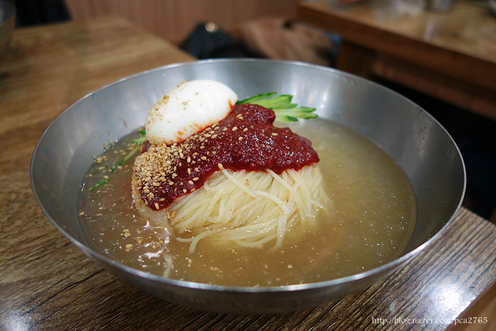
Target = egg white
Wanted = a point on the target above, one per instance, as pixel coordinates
(187, 109)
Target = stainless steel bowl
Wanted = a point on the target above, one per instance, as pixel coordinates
(413, 138)
(7, 25)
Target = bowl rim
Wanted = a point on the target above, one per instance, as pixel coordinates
(389, 266)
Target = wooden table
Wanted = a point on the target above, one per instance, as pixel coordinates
(450, 56)
(47, 283)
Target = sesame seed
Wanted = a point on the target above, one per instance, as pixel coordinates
(156, 206)
(221, 167)
(240, 138)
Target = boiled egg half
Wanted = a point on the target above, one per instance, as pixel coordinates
(188, 109)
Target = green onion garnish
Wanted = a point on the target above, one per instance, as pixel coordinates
(131, 153)
(141, 140)
(97, 185)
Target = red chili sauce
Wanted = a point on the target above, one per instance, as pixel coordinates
(244, 140)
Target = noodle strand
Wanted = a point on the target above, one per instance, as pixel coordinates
(250, 208)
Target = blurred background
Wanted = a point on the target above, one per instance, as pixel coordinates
(271, 29)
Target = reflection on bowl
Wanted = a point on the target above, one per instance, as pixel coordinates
(411, 137)
(7, 25)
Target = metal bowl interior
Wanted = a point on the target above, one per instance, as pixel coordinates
(7, 25)
(413, 138)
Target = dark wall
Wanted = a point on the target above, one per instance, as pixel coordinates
(37, 12)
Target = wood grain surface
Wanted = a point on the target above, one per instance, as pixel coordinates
(46, 283)
(450, 56)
